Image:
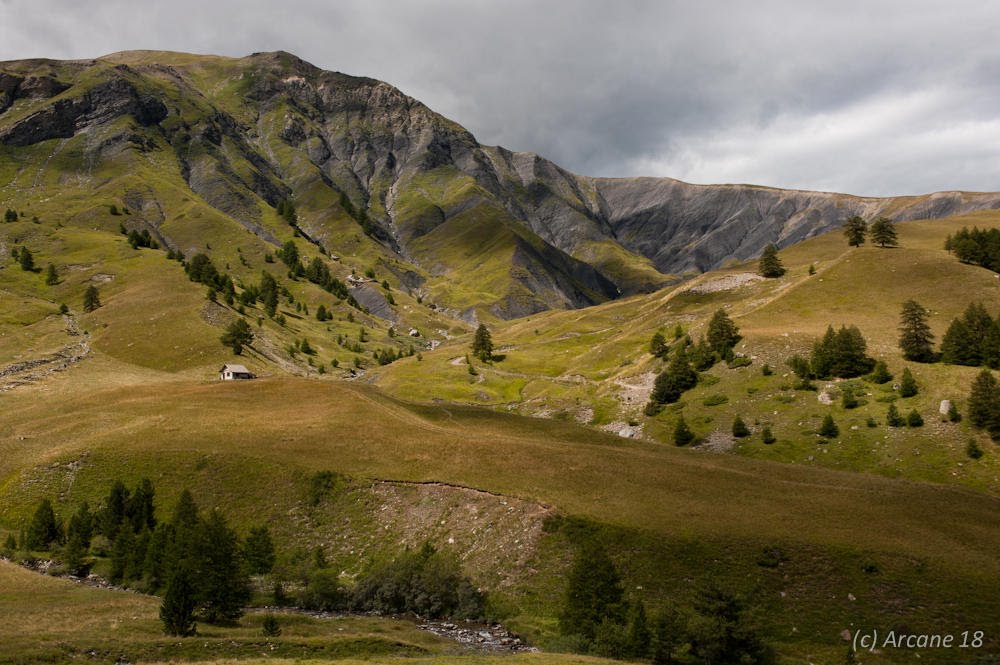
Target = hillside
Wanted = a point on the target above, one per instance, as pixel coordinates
(362, 203)
(377, 178)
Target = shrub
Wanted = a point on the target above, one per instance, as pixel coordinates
(682, 433)
(829, 428)
(973, 450)
(913, 419)
(425, 582)
(715, 400)
(740, 429)
(270, 626)
(880, 373)
(766, 370)
(892, 417)
(767, 436)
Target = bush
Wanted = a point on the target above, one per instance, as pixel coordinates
(740, 429)
(766, 370)
(829, 428)
(913, 419)
(767, 436)
(324, 592)
(715, 400)
(425, 582)
(973, 450)
(892, 417)
(270, 626)
(682, 433)
(880, 373)
(739, 361)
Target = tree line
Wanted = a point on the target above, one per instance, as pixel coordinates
(203, 568)
(979, 247)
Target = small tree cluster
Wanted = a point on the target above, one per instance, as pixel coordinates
(984, 403)
(842, 354)
(238, 334)
(424, 582)
(972, 340)
(979, 247)
(671, 383)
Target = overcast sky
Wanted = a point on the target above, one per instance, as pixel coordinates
(874, 98)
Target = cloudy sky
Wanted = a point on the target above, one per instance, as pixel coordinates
(873, 98)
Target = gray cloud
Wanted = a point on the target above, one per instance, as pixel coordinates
(865, 97)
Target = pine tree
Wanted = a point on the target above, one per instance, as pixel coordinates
(289, 254)
(829, 428)
(268, 291)
(223, 585)
(668, 634)
(258, 551)
(139, 509)
(958, 347)
(482, 344)
(43, 530)
(880, 374)
(671, 383)
(740, 429)
(238, 334)
(270, 627)
(892, 417)
(112, 514)
(770, 264)
(767, 436)
(177, 609)
(81, 526)
(26, 260)
(984, 403)
(908, 385)
(91, 299)
(915, 337)
(51, 276)
(914, 419)
(855, 228)
(638, 638)
(883, 232)
(682, 433)
(848, 399)
(593, 593)
(722, 334)
(658, 345)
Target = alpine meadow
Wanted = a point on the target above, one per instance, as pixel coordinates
(293, 369)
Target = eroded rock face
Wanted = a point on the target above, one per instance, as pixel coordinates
(99, 105)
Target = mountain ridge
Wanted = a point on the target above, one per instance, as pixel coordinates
(246, 133)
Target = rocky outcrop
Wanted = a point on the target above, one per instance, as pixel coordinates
(99, 105)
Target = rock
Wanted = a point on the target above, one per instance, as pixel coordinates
(945, 407)
(414, 332)
(825, 398)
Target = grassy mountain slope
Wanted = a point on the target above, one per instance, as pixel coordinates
(594, 366)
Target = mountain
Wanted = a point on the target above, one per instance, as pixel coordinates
(376, 175)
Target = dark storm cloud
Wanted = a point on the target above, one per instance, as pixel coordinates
(865, 97)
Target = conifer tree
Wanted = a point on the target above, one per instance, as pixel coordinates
(880, 374)
(238, 334)
(682, 433)
(892, 417)
(26, 260)
(958, 347)
(770, 264)
(767, 436)
(91, 299)
(914, 419)
(81, 526)
(179, 603)
(658, 344)
(915, 336)
(223, 585)
(51, 276)
(722, 334)
(593, 593)
(482, 344)
(740, 429)
(258, 551)
(829, 428)
(675, 379)
(883, 232)
(43, 530)
(908, 385)
(638, 637)
(984, 403)
(855, 228)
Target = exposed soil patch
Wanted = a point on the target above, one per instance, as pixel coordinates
(725, 283)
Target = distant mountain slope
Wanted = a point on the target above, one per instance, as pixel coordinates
(375, 173)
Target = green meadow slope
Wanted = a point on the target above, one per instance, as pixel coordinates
(513, 465)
